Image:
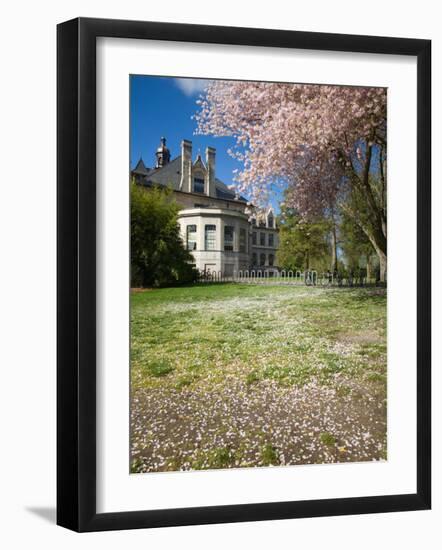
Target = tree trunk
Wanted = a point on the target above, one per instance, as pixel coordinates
(334, 262)
(375, 227)
(382, 267)
(382, 261)
(368, 268)
(378, 239)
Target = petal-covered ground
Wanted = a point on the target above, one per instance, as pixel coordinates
(229, 375)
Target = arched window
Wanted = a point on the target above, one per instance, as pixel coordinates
(254, 259)
(270, 220)
(262, 259)
(271, 259)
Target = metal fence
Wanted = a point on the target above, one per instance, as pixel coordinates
(283, 277)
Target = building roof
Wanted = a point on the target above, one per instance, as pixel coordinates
(169, 175)
(140, 168)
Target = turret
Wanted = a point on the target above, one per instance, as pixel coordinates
(162, 154)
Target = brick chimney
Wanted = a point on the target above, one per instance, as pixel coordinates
(210, 163)
(186, 166)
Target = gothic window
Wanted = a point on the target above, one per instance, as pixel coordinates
(210, 237)
(271, 239)
(271, 259)
(229, 232)
(262, 259)
(191, 237)
(262, 239)
(198, 185)
(242, 240)
(254, 238)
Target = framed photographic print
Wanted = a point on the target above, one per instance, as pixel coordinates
(236, 341)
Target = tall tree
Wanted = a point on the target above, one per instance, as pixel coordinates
(324, 142)
(302, 245)
(158, 256)
(355, 246)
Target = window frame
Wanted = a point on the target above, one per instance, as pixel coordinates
(206, 234)
(232, 227)
(196, 236)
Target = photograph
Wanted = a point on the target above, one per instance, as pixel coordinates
(258, 266)
(207, 342)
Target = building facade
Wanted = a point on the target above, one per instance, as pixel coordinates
(223, 232)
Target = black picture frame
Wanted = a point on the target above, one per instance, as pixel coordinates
(76, 274)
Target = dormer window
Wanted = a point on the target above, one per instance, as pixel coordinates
(198, 185)
(270, 220)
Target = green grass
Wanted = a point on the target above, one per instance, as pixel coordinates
(198, 335)
(237, 375)
(159, 368)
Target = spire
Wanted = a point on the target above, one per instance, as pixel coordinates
(162, 154)
(140, 168)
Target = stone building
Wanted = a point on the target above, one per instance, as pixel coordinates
(223, 232)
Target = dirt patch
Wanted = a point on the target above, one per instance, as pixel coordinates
(359, 338)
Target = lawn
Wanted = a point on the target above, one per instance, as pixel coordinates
(231, 375)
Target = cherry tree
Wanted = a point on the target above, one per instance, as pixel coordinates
(325, 145)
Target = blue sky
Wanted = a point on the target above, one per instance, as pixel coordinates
(163, 106)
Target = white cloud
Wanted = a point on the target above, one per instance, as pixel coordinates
(191, 86)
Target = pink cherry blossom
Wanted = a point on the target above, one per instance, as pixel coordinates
(302, 137)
